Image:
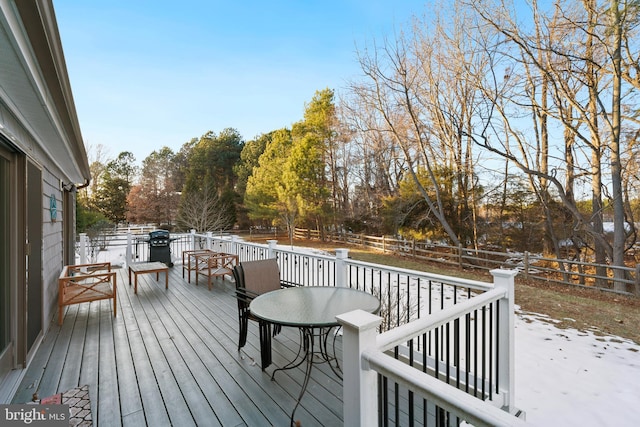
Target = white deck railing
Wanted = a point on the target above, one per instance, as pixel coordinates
(468, 373)
(367, 354)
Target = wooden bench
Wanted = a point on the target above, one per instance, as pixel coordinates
(85, 282)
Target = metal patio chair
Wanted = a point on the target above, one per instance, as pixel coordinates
(254, 278)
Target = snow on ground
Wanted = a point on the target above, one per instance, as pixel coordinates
(564, 377)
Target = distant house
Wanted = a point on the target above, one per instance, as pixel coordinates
(42, 163)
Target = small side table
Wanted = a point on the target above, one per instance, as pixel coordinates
(145, 268)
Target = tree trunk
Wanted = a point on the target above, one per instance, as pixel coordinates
(616, 167)
(597, 208)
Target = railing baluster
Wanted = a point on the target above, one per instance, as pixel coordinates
(475, 356)
(436, 332)
(491, 353)
(498, 344)
(456, 350)
(467, 351)
(448, 353)
(396, 401)
(410, 394)
(484, 351)
(385, 391)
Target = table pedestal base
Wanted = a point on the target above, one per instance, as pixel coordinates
(307, 354)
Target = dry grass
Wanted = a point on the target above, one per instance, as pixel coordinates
(583, 309)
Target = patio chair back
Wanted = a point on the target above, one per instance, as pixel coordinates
(261, 276)
(252, 279)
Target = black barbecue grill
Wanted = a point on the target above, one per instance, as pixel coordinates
(159, 247)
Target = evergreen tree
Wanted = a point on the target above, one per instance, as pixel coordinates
(210, 173)
(261, 197)
(111, 196)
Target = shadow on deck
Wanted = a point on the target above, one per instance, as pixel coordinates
(170, 358)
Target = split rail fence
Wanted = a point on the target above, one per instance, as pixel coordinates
(529, 265)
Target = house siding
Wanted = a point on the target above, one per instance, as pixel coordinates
(52, 250)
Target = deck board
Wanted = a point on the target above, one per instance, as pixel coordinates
(91, 356)
(131, 409)
(33, 377)
(50, 380)
(71, 369)
(158, 345)
(108, 401)
(170, 357)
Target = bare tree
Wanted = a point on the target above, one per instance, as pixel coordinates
(391, 91)
(616, 27)
(423, 105)
(375, 167)
(581, 78)
(98, 159)
(203, 211)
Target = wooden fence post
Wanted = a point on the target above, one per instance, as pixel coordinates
(638, 279)
(526, 264)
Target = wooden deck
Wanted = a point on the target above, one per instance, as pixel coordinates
(170, 358)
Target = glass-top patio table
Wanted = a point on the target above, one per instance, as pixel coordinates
(313, 310)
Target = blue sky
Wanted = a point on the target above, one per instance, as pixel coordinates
(148, 74)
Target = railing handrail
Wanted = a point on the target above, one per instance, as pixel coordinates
(471, 409)
(314, 255)
(450, 280)
(403, 333)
